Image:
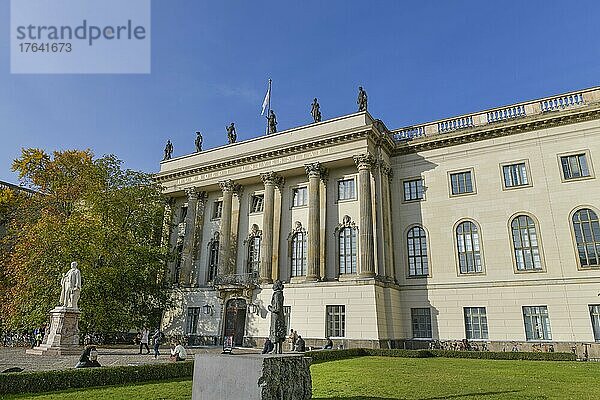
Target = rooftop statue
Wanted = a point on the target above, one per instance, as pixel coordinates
(231, 134)
(362, 99)
(272, 120)
(315, 111)
(168, 150)
(198, 142)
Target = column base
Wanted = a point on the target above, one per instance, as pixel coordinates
(366, 275)
(265, 281)
(312, 278)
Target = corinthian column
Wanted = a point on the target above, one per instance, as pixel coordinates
(364, 163)
(314, 171)
(270, 179)
(227, 187)
(187, 254)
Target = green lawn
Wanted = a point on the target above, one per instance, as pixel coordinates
(403, 378)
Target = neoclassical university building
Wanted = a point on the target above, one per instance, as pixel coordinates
(483, 226)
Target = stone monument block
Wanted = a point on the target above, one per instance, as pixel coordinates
(63, 337)
(251, 377)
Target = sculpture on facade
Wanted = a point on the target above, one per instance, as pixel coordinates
(168, 150)
(315, 111)
(71, 287)
(362, 99)
(277, 331)
(231, 134)
(272, 122)
(198, 142)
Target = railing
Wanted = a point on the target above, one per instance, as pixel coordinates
(496, 115)
(236, 279)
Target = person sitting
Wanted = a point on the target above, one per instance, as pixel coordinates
(329, 344)
(268, 347)
(178, 353)
(89, 358)
(300, 344)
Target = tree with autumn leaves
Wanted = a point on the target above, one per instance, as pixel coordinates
(88, 210)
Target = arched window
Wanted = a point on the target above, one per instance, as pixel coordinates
(587, 237)
(213, 257)
(299, 254)
(468, 246)
(416, 242)
(525, 244)
(253, 254)
(347, 247)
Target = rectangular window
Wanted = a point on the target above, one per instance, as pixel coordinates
(335, 321)
(421, 323)
(192, 320)
(476, 326)
(217, 209)
(346, 189)
(257, 203)
(574, 166)
(183, 213)
(300, 197)
(413, 190)
(537, 323)
(461, 183)
(287, 312)
(515, 175)
(595, 315)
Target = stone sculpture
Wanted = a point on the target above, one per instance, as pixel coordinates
(231, 134)
(71, 287)
(168, 150)
(362, 99)
(198, 142)
(315, 110)
(277, 331)
(272, 120)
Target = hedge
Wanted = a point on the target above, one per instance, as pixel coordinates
(46, 381)
(331, 355)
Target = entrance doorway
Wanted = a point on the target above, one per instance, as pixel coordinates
(235, 320)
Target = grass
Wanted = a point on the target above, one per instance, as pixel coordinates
(385, 378)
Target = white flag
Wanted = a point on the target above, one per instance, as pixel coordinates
(266, 101)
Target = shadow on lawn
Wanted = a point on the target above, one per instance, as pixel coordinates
(450, 396)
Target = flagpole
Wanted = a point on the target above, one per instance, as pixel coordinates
(269, 106)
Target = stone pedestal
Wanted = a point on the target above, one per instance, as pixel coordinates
(251, 377)
(63, 337)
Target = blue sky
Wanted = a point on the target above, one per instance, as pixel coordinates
(211, 60)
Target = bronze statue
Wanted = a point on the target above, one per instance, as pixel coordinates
(315, 110)
(198, 142)
(272, 121)
(231, 134)
(168, 150)
(362, 99)
(277, 331)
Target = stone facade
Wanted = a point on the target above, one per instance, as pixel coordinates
(332, 207)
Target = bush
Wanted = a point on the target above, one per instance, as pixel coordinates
(45, 381)
(320, 356)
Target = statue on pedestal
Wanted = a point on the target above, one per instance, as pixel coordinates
(231, 134)
(168, 150)
(277, 331)
(198, 142)
(71, 287)
(315, 111)
(272, 120)
(362, 99)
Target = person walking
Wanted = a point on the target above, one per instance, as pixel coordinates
(144, 340)
(156, 339)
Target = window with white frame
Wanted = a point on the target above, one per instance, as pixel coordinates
(192, 320)
(178, 261)
(413, 190)
(587, 237)
(346, 189)
(595, 315)
(421, 323)
(335, 321)
(416, 242)
(213, 259)
(476, 326)
(183, 213)
(468, 247)
(253, 254)
(574, 166)
(217, 209)
(525, 244)
(515, 175)
(299, 254)
(287, 312)
(299, 196)
(257, 203)
(348, 249)
(461, 183)
(537, 323)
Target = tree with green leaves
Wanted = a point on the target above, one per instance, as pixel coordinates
(92, 211)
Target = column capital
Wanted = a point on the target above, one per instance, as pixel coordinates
(193, 193)
(227, 185)
(386, 170)
(316, 169)
(272, 178)
(364, 161)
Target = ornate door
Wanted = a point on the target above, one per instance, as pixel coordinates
(235, 320)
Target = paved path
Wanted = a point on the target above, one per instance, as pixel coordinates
(107, 356)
